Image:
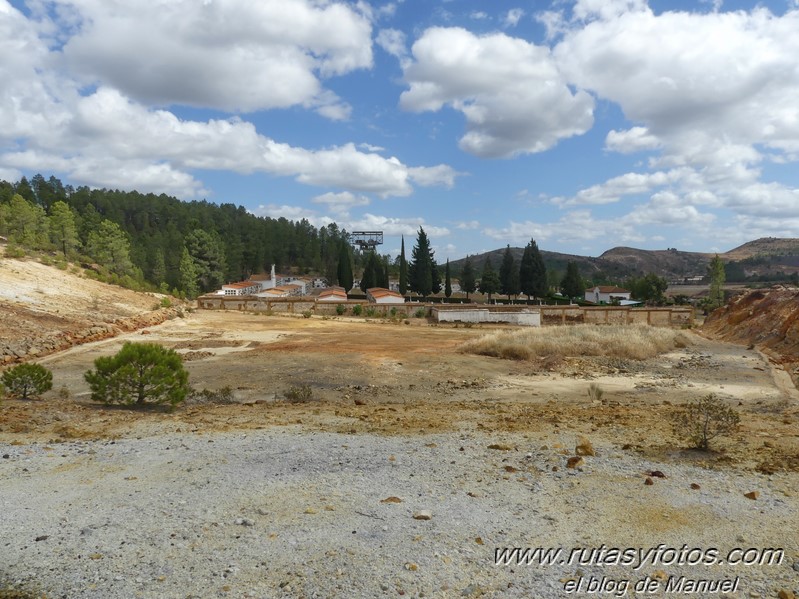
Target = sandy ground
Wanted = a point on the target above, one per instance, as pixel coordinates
(267, 498)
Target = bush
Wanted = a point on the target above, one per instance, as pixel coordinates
(306, 314)
(419, 313)
(299, 394)
(595, 392)
(27, 380)
(166, 302)
(221, 396)
(371, 312)
(139, 374)
(705, 419)
(340, 309)
(357, 309)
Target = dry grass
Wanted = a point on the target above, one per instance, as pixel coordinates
(635, 342)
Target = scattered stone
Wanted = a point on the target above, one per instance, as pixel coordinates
(479, 540)
(796, 566)
(411, 567)
(391, 499)
(649, 481)
(423, 515)
(360, 401)
(660, 575)
(500, 446)
(575, 462)
(656, 474)
(244, 522)
(752, 495)
(262, 511)
(6, 456)
(511, 469)
(473, 590)
(311, 511)
(786, 594)
(42, 538)
(695, 486)
(584, 447)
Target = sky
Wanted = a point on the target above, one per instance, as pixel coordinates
(584, 124)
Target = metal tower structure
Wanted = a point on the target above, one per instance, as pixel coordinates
(366, 240)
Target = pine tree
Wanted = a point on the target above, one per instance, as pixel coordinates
(372, 272)
(344, 271)
(63, 231)
(489, 281)
(435, 273)
(385, 282)
(109, 245)
(420, 270)
(468, 280)
(572, 284)
(447, 281)
(188, 275)
(508, 274)
(208, 253)
(717, 278)
(403, 273)
(533, 272)
(25, 223)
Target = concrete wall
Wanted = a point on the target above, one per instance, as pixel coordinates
(523, 318)
(522, 315)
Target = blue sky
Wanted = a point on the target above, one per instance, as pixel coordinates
(585, 124)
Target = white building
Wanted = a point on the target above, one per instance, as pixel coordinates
(380, 295)
(333, 294)
(265, 280)
(241, 288)
(602, 294)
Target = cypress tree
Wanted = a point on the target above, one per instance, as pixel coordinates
(533, 272)
(468, 281)
(489, 281)
(344, 271)
(572, 284)
(447, 281)
(420, 270)
(508, 274)
(403, 273)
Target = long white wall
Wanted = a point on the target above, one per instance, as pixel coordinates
(474, 315)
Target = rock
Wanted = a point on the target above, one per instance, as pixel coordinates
(752, 495)
(575, 462)
(423, 515)
(584, 447)
(500, 446)
(360, 402)
(244, 522)
(796, 566)
(42, 538)
(695, 486)
(649, 481)
(391, 499)
(786, 594)
(411, 567)
(656, 474)
(511, 469)
(473, 590)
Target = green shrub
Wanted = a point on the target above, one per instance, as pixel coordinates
(166, 302)
(220, 396)
(340, 309)
(27, 380)
(139, 374)
(63, 392)
(299, 394)
(15, 251)
(307, 314)
(371, 312)
(420, 312)
(357, 309)
(705, 419)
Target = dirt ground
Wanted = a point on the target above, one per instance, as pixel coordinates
(395, 379)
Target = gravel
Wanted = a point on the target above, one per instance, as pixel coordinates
(285, 512)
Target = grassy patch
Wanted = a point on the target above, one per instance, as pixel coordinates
(636, 342)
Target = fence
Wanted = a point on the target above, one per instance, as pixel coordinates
(550, 315)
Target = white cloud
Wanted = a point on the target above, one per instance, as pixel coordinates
(341, 203)
(510, 91)
(512, 17)
(479, 15)
(615, 188)
(294, 213)
(394, 226)
(233, 56)
(632, 140)
(393, 42)
(370, 148)
(467, 225)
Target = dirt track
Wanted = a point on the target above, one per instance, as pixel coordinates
(397, 411)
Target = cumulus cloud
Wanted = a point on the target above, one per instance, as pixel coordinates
(393, 42)
(632, 140)
(341, 203)
(509, 90)
(233, 56)
(394, 225)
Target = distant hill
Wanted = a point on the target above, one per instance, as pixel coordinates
(759, 258)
